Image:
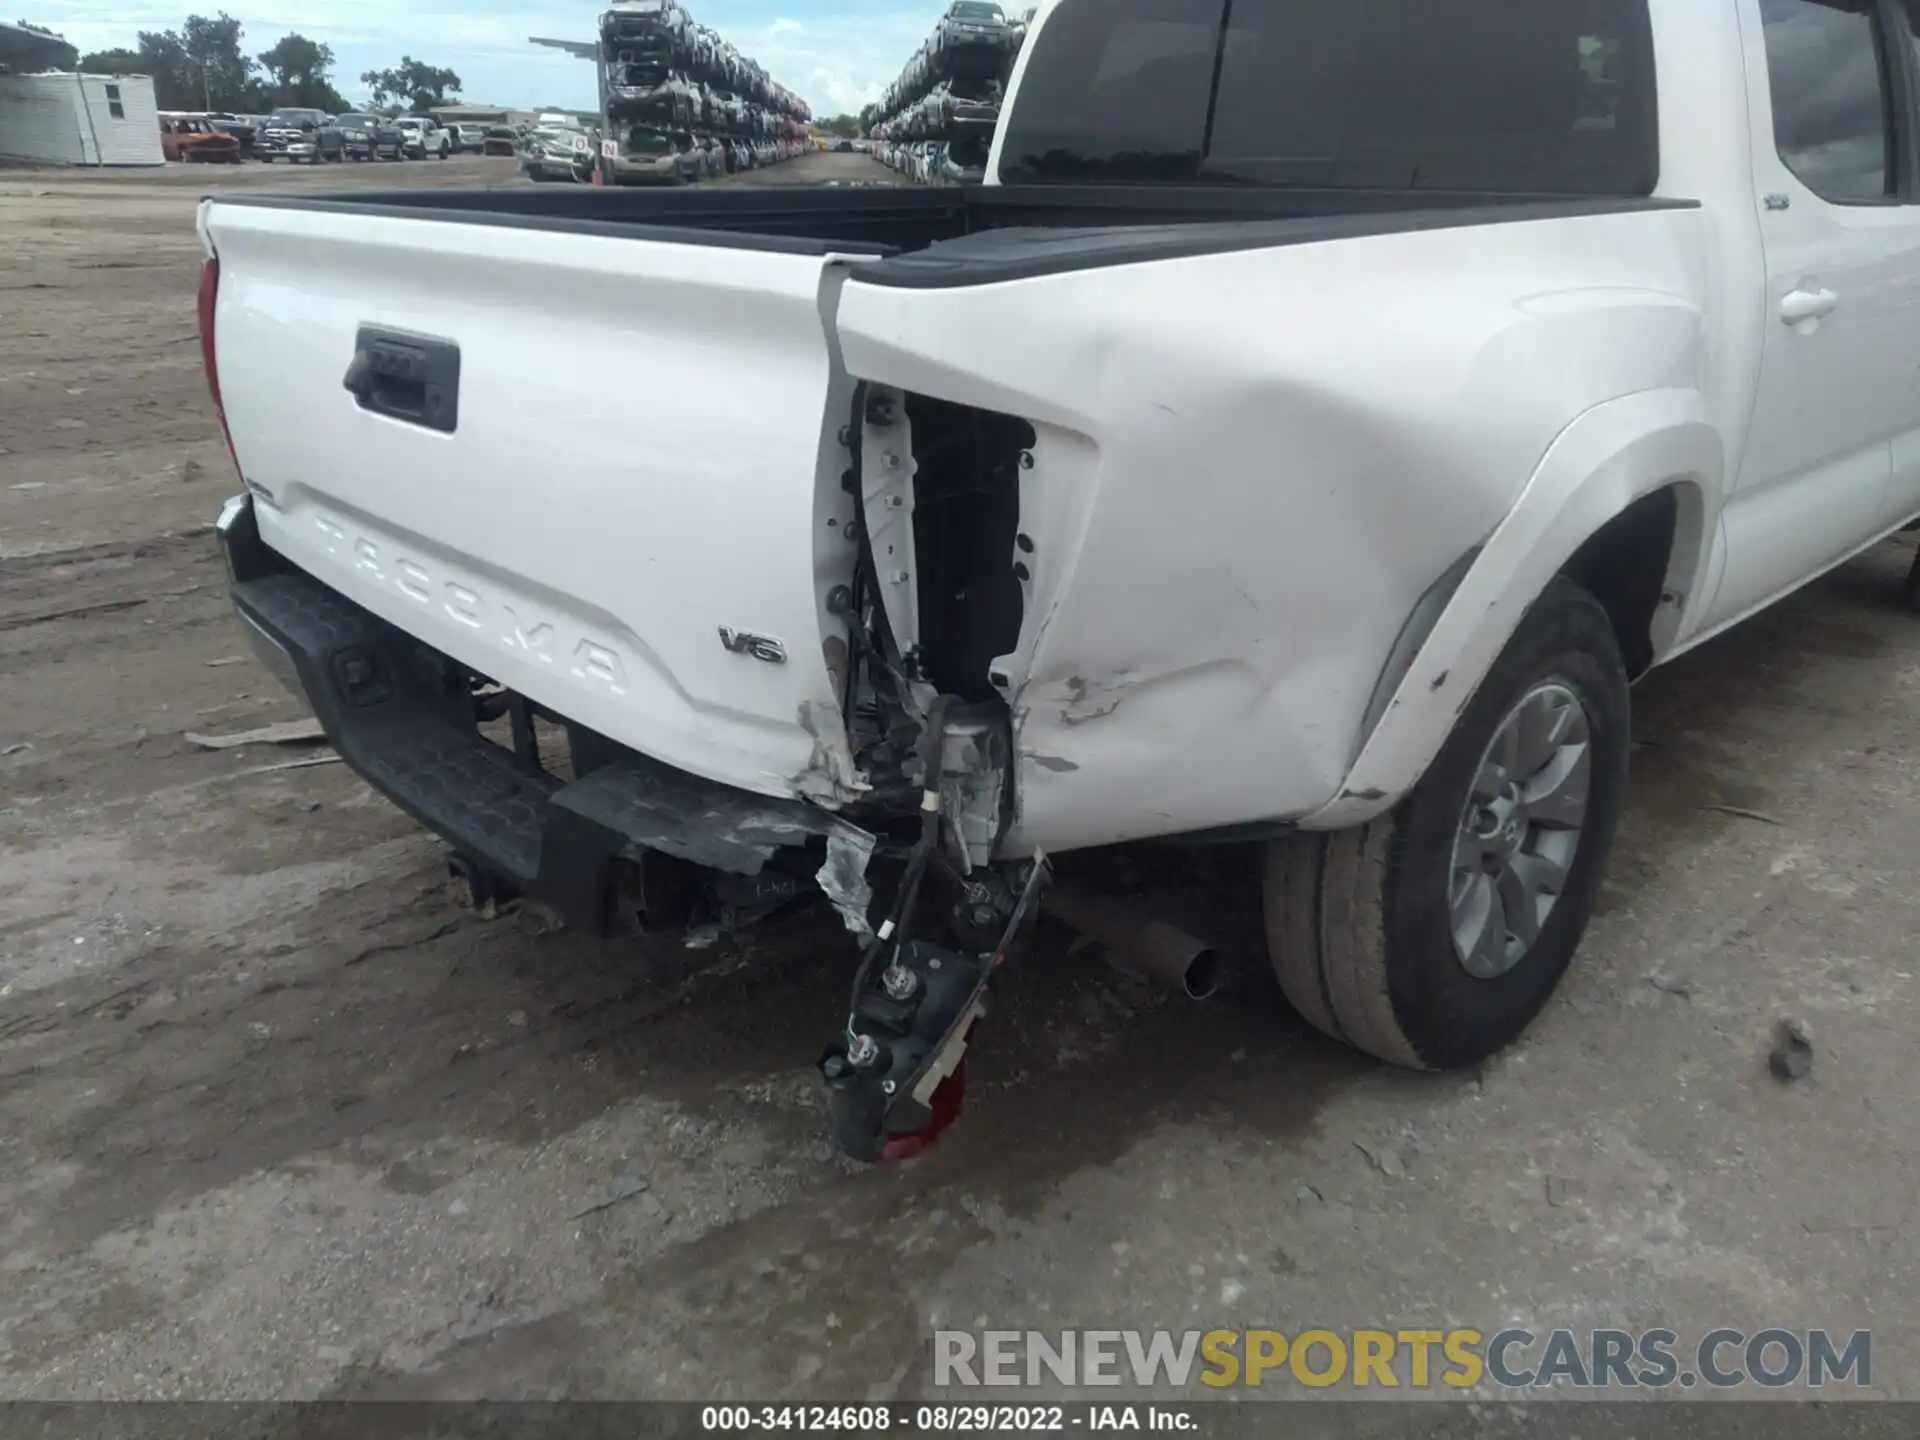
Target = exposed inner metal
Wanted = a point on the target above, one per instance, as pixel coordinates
(1520, 829)
(888, 466)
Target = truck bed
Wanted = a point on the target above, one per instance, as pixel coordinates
(957, 236)
(636, 504)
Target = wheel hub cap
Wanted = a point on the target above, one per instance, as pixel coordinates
(1520, 829)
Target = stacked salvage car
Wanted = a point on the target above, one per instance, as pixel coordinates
(680, 104)
(937, 119)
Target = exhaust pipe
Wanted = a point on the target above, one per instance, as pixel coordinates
(1136, 941)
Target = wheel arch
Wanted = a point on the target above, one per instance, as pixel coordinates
(1643, 565)
(1622, 479)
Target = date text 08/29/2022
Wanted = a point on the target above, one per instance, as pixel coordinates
(946, 1419)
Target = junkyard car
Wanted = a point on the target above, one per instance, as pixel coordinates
(551, 153)
(369, 137)
(197, 140)
(295, 134)
(972, 39)
(422, 137)
(241, 127)
(1313, 426)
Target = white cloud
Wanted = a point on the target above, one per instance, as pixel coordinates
(839, 62)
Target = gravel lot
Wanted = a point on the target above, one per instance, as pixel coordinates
(279, 1118)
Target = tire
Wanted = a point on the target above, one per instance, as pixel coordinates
(1360, 923)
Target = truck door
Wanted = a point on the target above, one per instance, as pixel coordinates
(1903, 490)
(1837, 380)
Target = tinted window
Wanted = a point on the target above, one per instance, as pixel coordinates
(1551, 96)
(1115, 90)
(1831, 116)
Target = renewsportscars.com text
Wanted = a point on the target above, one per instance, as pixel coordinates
(1458, 1359)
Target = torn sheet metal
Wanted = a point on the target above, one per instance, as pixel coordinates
(973, 783)
(844, 877)
(887, 468)
(831, 776)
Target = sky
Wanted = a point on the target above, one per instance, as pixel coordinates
(836, 54)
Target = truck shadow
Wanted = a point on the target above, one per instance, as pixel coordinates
(402, 1024)
(1721, 733)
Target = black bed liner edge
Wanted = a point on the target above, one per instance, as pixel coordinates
(934, 239)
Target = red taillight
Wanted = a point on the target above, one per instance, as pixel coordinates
(209, 298)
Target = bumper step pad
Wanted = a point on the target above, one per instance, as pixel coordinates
(403, 721)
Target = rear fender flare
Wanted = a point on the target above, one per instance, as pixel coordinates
(1601, 463)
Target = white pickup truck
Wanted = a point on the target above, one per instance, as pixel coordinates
(1319, 419)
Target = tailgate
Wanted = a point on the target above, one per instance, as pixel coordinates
(599, 469)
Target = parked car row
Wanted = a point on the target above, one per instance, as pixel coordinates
(668, 157)
(961, 160)
(296, 134)
(301, 133)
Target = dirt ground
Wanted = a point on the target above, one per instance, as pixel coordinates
(279, 1118)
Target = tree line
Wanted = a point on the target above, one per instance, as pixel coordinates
(202, 66)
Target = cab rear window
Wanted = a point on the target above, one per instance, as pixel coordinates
(1550, 97)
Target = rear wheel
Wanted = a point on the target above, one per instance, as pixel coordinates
(1432, 936)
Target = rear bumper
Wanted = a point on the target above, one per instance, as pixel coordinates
(402, 717)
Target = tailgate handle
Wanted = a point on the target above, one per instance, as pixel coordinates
(412, 378)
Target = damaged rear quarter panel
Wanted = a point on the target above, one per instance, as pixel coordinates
(1247, 468)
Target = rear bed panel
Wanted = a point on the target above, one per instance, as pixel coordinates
(642, 432)
(1224, 527)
